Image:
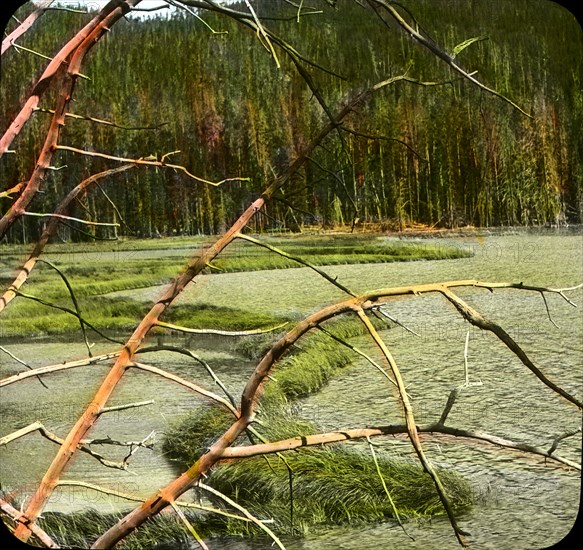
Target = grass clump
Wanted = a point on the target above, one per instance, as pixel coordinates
(82, 529)
(308, 369)
(331, 485)
(193, 434)
(122, 314)
(336, 250)
(221, 317)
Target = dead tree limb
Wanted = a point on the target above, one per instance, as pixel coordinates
(412, 427)
(127, 496)
(104, 122)
(9, 40)
(191, 386)
(58, 367)
(77, 47)
(47, 434)
(18, 517)
(244, 511)
(363, 433)
(254, 388)
(113, 11)
(439, 52)
(250, 332)
(478, 320)
(149, 162)
(197, 265)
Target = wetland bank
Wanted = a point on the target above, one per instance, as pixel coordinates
(507, 488)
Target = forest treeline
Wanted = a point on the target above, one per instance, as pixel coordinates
(448, 155)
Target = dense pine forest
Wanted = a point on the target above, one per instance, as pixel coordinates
(443, 155)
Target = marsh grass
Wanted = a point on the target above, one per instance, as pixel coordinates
(310, 365)
(331, 485)
(97, 269)
(119, 316)
(81, 529)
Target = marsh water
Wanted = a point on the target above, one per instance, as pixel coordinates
(522, 501)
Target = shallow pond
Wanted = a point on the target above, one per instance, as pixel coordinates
(522, 502)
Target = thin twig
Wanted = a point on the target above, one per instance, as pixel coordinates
(396, 321)
(186, 8)
(198, 359)
(439, 52)
(297, 259)
(477, 319)
(23, 363)
(47, 434)
(66, 310)
(127, 496)
(70, 218)
(386, 489)
(144, 162)
(105, 122)
(189, 526)
(243, 510)
(359, 352)
(57, 368)
(191, 386)
(219, 332)
(74, 300)
(126, 406)
(548, 311)
(261, 32)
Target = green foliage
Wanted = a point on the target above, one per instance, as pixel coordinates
(478, 161)
(332, 485)
(128, 265)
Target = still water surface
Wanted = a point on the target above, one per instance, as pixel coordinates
(522, 501)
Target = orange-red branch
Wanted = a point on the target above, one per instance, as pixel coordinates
(78, 47)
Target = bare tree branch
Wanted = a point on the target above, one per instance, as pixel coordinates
(439, 52)
(20, 517)
(147, 161)
(251, 332)
(42, 6)
(362, 433)
(412, 428)
(47, 434)
(58, 367)
(104, 122)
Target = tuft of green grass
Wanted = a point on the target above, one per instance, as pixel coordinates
(97, 269)
(332, 485)
(307, 369)
(82, 529)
